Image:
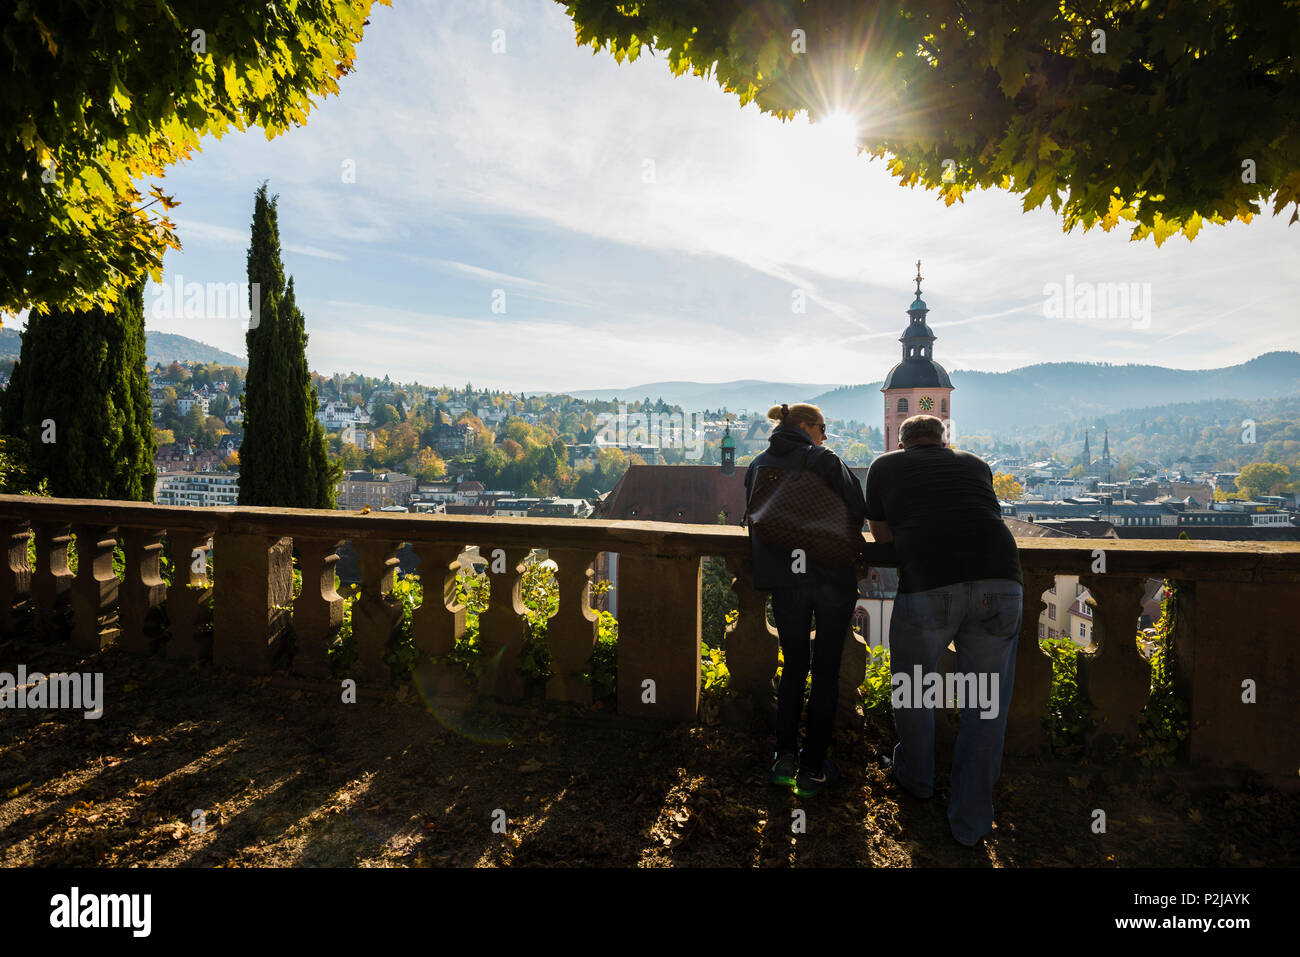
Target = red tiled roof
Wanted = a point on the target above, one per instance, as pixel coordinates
(1022, 529)
(693, 494)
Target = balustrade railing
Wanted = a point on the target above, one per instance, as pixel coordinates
(1236, 665)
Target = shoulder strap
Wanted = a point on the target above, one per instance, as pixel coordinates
(803, 463)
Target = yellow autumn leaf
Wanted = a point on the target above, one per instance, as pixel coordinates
(1112, 214)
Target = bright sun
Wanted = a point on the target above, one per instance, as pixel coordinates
(837, 130)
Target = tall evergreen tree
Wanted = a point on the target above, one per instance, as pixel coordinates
(78, 400)
(283, 459)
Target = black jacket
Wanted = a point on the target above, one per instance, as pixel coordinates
(786, 448)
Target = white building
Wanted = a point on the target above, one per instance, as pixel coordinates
(187, 402)
(361, 438)
(337, 415)
(199, 489)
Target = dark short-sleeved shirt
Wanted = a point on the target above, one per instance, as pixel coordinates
(947, 524)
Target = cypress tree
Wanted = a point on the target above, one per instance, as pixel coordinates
(78, 400)
(283, 459)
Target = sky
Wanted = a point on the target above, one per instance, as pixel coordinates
(630, 226)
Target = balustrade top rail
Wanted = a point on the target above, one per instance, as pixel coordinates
(1247, 561)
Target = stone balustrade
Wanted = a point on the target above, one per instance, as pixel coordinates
(1237, 658)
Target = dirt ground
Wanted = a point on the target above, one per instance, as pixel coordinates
(284, 774)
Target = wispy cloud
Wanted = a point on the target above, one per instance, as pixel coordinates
(646, 227)
(226, 236)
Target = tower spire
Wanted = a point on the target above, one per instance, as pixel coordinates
(918, 279)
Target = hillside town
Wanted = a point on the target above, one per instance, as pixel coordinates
(481, 452)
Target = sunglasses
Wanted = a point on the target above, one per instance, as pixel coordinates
(822, 426)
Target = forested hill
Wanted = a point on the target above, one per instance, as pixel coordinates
(1038, 395)
(164, 347)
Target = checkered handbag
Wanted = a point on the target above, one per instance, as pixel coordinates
(793, 508)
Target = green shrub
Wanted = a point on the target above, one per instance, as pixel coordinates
(878, 684)
(1068, 718)
(1163, 724)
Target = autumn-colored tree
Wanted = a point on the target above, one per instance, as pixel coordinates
(430, 465)
(100, 96)
(1113, 111)
(1262, 478)
(1006, 487)
(403, 442)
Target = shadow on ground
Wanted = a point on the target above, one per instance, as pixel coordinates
(191, 766)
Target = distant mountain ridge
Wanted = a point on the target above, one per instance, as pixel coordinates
(752, 394)
(1036, 395)
(164, 347)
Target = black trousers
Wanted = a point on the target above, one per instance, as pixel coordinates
(794, 608)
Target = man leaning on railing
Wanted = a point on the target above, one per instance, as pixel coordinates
(959, 581)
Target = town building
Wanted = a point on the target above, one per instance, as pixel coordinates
(190, 400)
(918, 385)
(199, 489)
(374, 489)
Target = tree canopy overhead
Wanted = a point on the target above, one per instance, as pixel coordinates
(95, 96)
(1166, 115)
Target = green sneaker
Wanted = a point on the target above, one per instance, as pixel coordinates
(784, 771)
(808, 784)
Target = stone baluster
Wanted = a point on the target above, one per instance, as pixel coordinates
(51, 578)
(1184, 674)
(752, 643)
(318, 611)
(253, 595)
(1033, 681)
(439, 623)
(853, 671)
(571, 634)
(1117, 679)
(15, 572)
(501, 626)
(144, 588)
(95, 588)
(659, 635)
(376, 614)
(188, 594)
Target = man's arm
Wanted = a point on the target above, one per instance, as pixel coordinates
(879, 526)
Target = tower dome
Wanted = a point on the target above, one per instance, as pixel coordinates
(918, 370)
(917, 384)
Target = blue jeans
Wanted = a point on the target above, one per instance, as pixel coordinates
(793, 609)
(982, 619)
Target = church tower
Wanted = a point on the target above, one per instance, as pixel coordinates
(918, 385)
(728, 447)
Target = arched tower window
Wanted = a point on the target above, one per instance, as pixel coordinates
(943, 406)
(902, 405)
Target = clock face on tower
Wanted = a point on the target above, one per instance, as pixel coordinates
(926, 403)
